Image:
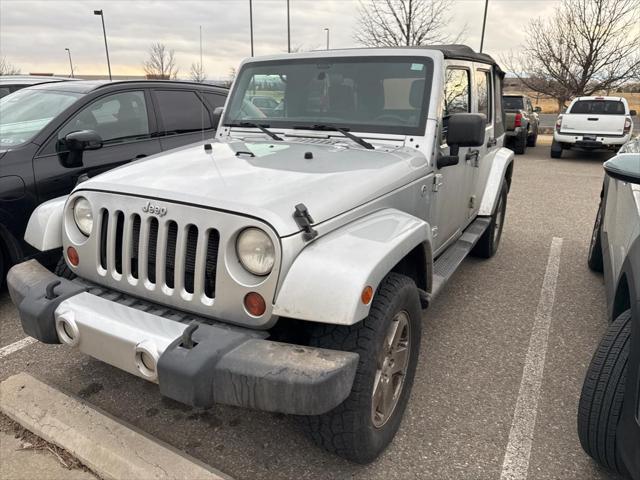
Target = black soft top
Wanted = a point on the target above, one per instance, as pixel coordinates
(463, 52)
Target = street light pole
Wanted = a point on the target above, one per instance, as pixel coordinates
(484, 23)
(104, 31)
(288, 28)
(251, 23)
(70, 62)
(327, 30)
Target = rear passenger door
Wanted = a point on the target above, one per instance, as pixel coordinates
(183, 117)
(485, 104)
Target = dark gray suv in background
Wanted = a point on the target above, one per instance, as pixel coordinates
(55, 134)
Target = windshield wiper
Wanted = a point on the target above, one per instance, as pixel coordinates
(259, 127)
(343, 131)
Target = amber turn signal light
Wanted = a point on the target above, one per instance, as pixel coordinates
(255, 304)
(367, 295)
(72, 256)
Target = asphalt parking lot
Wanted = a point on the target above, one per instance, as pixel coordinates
(475, 341)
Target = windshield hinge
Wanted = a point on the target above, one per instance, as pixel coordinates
(304, 221)
(437, 182)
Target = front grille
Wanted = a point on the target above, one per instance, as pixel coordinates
(165, 253)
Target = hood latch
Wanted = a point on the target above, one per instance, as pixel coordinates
(304, 221)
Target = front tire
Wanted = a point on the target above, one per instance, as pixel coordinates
(603, 393)
(489, 242)
(595, 259)
(388, 342)
(4, 267)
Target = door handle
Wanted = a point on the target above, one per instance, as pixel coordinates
(473, 155)
(592, 119)
(142, 155)
(492, 142)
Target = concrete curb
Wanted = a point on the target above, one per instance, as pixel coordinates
(111, 448)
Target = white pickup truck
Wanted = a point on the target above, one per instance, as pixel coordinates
(593, 123)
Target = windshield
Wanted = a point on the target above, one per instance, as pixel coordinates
(25, 112)
(513, 103)
(364, 94)
(598, 107)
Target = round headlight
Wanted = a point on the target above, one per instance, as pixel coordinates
(256, 251)
(83, 215)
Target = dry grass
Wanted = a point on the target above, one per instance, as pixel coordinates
(30, 441)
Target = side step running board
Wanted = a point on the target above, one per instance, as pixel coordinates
(447, 263)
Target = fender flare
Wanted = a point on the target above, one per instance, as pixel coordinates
(501, 171)
(44, 230)
(326, 280)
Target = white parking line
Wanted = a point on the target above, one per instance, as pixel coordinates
(516, 459)
(15, 346)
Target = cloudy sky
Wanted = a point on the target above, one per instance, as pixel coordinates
(34, 34)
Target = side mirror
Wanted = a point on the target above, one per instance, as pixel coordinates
(463, 130)
(625, 167)
(83, 140)
(75, 143)
(466, 130)
(537, 109)
(633, 113)
(217, 115)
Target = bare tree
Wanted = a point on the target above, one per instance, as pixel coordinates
(233, 73)
(395, 23)
(197, 72)
(161, 62)
(7, 68)
(588, 46)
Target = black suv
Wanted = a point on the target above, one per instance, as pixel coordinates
(54, 135)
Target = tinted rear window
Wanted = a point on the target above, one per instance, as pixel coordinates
(598, 107)
(513, 103)
(182, 111)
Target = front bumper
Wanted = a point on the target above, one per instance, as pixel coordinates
(215, 363)
(591, 141)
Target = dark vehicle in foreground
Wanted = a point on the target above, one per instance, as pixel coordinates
(609, 410)
(521, 122)
(13, 83)
(55, 134)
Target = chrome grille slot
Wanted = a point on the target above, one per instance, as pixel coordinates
(104, 221)
(119, 240)
(213, 240)
(170, 262)
(190, 258)
(133, 253)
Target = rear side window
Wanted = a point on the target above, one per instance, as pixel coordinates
(182, 111)
(513, 103)
(483, 81)
(598, 107)
(214, 99)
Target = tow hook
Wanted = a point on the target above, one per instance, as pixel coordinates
(187, 335)
(49, 293)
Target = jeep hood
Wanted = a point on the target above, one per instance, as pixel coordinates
(267, 180)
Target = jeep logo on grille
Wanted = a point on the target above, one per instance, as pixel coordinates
(154, 209)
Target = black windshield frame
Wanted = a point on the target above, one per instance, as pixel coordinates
(391, 129)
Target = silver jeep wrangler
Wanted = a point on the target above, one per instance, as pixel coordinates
(283, 266)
